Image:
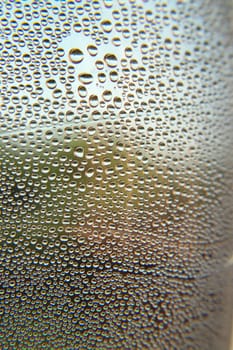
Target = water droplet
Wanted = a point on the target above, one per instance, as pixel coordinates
(108, 3)
(89, 172)
(117, 102)
(107, 95)
(82, 91)
(57, 93)
(76, 55)
(102, 77)
(113, 76)
(77, 27)
(111, 60)
(93, 101)
(79, 152)
(51, 83)
(116, 41)
(85, 78)
(92, 50)
(19, 14)
(99, 64)
(106, 25)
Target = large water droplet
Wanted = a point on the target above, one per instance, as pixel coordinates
(76, 55)
(85, 78)
(92, 50)
(51, 83)
(111, 60)
(106, 26)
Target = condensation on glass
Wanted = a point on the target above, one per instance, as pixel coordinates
(116, 174)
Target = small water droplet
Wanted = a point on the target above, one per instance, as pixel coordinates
(116, 41)
(79, 152)
(108, 3)
(89, 172)
(93, 101)
(82, 91)
(107, 95)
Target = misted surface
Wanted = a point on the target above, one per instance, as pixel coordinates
(116, 140)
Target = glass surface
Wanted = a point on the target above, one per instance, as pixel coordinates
(116, 140)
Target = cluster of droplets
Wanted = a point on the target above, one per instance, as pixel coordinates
(115, 173)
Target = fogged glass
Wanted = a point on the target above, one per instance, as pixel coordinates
(116, 140)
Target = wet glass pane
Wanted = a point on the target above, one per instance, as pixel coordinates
(116, 174)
